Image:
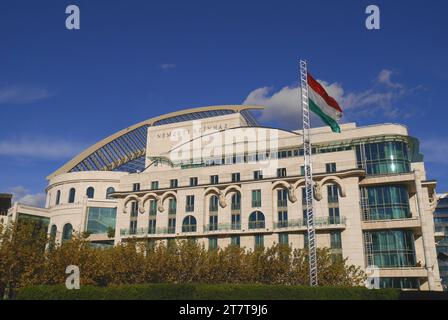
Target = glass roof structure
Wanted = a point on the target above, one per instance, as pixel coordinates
(126, 150)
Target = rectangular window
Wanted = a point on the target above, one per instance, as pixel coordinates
(134, 209)
(152, 226)
(136, 187)
(174, 183)
(212, 243)
(193, 181)
(259, 241)
(101, 220)
(213, 220)
(330, 167)
(283, 239)
(333, 216)
(171, 225)
(172, 206)
(236, 222)
(335, 240)
(133, 227)
(256, 198)
(236, 177)
(213, 205)
(282, 218)
(281, 172)
(235, 240)
(282, 198)
(258, 175)
(152, 207)
(302, 170)
(190, 204)
(154, 185)
(236, 201)
(214, 179)
(332, 192)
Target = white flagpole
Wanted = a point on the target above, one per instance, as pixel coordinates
(308, 173)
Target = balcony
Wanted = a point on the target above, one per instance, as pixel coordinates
(319, 222)
(216, 227)
(143, 232)
(406, 223)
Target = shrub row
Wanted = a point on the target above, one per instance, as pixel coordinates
(204, 292)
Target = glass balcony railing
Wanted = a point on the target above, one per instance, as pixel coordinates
(222, 227)
(146, 231)
(257, 225)
(318, 222)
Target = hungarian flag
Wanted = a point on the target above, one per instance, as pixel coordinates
(323, 105)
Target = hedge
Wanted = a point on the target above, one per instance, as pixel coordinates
(204, 292)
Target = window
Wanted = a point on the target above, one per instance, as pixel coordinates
(190, 204)
(236, 201)
(259, 241)
(152, 226)
(283, 239)
(58, 197)
(154, 185)
(258, 175)
(109, 192)
(385, 202)
(134, 209)
(213, 206)
(136, 187)
(193, 181)
(133, 220)
(256, 198)
(172, 225)
(281, 172)
(399, 283)
(335, 240)
(236, 221)
(214, 179)
(152, 207)
(90, 193)
(172, 206)
(213, 223)
(333, 216)
(302, 170)
(303, 196)
(67, 232)
(282, 218)
(332, 192)
(189, 224)
(235, 240)
(256, 220)
(71, 195)
(174, 183)
(390, 249)
(282, 198)
(383, 157)
(330, 167)
(100, 220)
(212, 243)
(53, 233)
(236, 177)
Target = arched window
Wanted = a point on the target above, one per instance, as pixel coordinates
(67, 232)
(109, 191)
(189, 224)
(58, 197)
(53, 231)
(90, 192)
(71, 195)
(256, 220)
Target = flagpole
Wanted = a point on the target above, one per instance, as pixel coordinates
(308, 174)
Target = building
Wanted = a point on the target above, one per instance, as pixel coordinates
(214, 174)
(5, 204)
(441, 227)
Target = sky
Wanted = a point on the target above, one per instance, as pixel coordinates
(63, 90)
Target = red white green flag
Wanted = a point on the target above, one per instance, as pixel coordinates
(322, 104)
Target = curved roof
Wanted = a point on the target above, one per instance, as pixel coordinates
(125, 150)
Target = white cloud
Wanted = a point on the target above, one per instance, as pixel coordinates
(22, 94)
(21, 194)
(283, 106)
(167, 66)
(40, 148)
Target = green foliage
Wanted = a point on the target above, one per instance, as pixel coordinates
(205, 292)
(25, 262)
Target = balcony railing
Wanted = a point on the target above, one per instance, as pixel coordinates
(222, 227)
(318, 222)
(257, 225)
(146, 231)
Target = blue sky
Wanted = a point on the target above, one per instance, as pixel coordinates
(61, 90)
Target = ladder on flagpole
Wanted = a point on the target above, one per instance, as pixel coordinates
(308, 174)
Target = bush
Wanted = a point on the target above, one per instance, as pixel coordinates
(205, 292)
